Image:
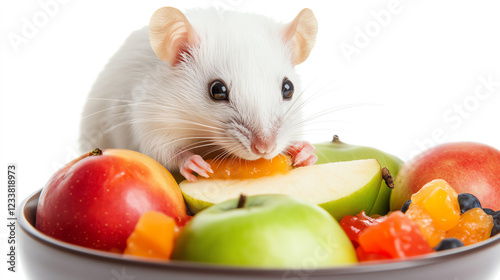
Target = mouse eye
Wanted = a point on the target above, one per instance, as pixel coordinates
(218, 90)
(287, 89)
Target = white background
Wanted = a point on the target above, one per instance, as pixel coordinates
(417, 64)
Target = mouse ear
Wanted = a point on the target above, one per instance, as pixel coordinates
(301, 32)
(169, 33)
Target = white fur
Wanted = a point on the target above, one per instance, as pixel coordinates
(141, 103)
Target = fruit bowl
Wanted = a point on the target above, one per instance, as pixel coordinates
(44, 257)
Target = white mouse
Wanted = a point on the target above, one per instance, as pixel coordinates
(208, 84)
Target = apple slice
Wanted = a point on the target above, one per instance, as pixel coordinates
(337, 150)
(341, 188)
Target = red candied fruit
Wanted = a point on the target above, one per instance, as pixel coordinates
(363, 256)
(353, 226)
(396, 237)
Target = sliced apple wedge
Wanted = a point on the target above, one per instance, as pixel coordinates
(341, 188)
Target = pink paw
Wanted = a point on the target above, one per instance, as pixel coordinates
(302, 153)
(195, 163)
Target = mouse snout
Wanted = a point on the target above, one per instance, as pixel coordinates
(262, 145)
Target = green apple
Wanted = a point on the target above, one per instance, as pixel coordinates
(336, 151)
(272, 231)
(342, 188)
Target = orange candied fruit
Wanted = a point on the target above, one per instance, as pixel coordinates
(440, 200)
(152, 237)
(474, 226)
(432, 234)
(232, 168)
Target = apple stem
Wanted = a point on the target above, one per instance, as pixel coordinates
(96, 152)
(386, 175)
(241, 201)
(336, 139)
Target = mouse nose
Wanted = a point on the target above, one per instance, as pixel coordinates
(262, 145)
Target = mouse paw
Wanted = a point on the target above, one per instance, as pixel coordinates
(302, 153)
(194, 163)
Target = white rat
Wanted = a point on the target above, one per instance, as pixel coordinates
(219, 84)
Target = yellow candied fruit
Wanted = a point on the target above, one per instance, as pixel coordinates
(152, 237)
(231, 168)
(440, 200)
(474, 226)
(432, 234)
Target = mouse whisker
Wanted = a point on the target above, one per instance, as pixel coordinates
(308, 88)
(201, 144)
(228, 151)
(313, 97)
(111, 99)
(191, 146)
(180, 151)
(224, 155)
(325, 132)
(319, 114)
(212, 150)
(200, 124)
(297, 106)
(217, 160)
(218, 134)
(113, 108)
(211, 129)
(144, 105)
(302, 128)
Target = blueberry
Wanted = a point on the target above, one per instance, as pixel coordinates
(495, 230)
(449, 243)
(496, 223)
(406, 206)
(488, 211)
(496, 216)
(467, 201)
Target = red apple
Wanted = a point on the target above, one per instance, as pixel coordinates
(468, 167)
(96, 200)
